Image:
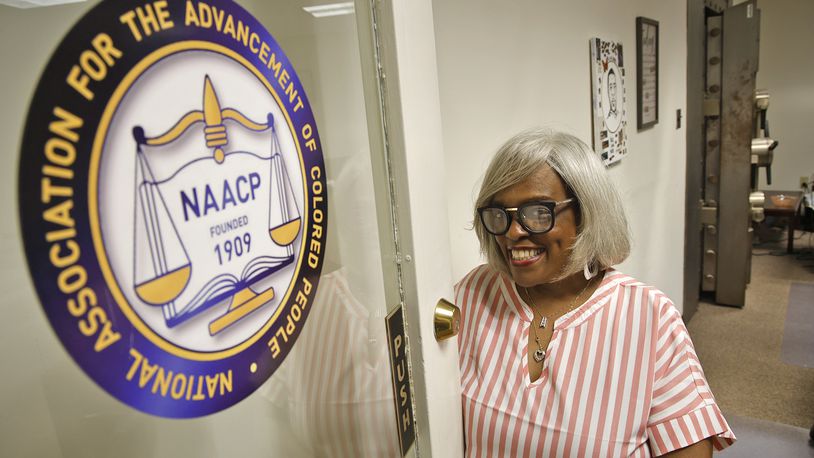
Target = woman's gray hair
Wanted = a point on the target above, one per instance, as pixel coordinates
(603, 236)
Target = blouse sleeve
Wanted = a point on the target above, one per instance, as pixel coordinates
(683, 410)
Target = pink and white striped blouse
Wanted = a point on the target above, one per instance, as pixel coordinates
(621, 377)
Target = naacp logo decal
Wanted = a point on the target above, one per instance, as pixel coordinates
(173, 202)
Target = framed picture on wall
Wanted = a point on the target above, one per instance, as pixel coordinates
(647, 66)
(608, 99)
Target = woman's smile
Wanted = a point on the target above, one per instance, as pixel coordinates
(525, 256)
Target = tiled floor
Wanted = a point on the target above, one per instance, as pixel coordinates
(798, 333)
(765, 439)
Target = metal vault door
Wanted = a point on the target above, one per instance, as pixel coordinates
(732, 44)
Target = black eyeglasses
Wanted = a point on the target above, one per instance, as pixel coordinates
(535, 217)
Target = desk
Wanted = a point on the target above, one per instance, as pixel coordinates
(791, 212)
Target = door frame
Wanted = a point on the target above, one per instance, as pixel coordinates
(397, 45)
(694, 180)
(696, 47)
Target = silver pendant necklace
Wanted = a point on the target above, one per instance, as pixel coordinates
(540, 353)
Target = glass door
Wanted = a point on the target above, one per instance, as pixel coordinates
(333, 394)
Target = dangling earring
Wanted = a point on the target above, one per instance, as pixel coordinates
(590, 270)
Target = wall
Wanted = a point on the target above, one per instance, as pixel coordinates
(786, 66)
(506, 66)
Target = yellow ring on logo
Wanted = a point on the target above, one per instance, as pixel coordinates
(93, 182)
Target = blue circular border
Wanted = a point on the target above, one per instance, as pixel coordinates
(109, 367)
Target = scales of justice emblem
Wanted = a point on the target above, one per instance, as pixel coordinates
(215, 229)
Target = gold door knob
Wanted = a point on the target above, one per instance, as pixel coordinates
(447, 320)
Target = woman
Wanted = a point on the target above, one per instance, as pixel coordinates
(561, 355)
